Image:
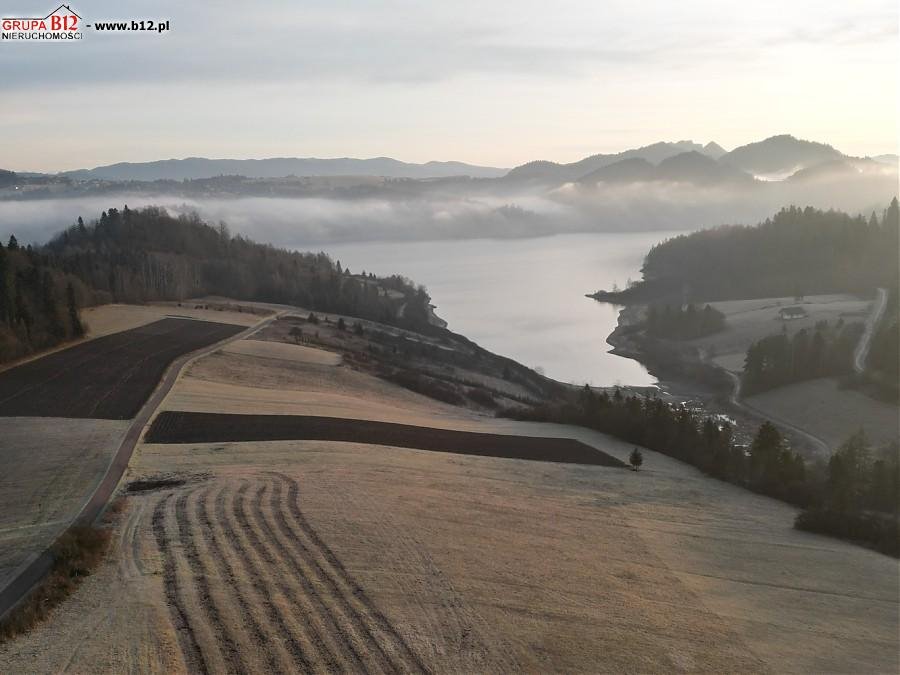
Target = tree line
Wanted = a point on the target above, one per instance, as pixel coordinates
(798, 251)
(781, 359)
(38, 302)
(860, 496)
(856, 498)
(145, 255)
(682, 322)
(769, 466)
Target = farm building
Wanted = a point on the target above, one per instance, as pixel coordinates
(788, 313)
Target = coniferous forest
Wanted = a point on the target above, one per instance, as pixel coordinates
(781, 359)
(798, 251)
(675, 322)
(146, 255)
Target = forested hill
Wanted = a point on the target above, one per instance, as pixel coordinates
(796, 252)
(145, 255)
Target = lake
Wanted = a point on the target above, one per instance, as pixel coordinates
(524, 298)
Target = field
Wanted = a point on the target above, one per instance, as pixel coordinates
(109, 377)
(478, 564)
(64, 415)
(48, 468)
(283, 555)
(750, 320)
(834, 413)
(114, 318)
(194, 427)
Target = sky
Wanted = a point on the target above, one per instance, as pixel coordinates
(495, 83)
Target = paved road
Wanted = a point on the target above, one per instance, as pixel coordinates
(735, 399)
(33, 572)
(862, 349)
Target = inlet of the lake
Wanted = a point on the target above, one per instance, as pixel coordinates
(524, 298)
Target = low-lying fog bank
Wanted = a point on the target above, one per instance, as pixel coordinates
(479, 211)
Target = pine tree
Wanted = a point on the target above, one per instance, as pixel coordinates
(636, 459)
(75, 325)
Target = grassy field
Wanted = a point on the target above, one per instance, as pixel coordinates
(833, 413)
(750, 320)
(48, 468)
(397, 558)
(114, 318)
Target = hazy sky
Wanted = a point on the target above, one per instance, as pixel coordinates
(495, 82)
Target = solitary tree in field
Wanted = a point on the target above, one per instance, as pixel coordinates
(636, 459)
(75, 325)
(297, 333)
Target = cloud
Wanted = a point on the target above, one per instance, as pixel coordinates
(400, 42)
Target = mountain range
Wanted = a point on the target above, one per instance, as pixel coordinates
(775, 158)
(279, 167)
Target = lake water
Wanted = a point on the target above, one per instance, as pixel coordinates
(524, 298)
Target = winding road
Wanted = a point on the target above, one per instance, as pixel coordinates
(862, 349)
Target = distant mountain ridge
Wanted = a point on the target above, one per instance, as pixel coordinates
(779, 155)
(775, 158)
(542, 170)
(686, 167)
(279, 167)
(778, 158)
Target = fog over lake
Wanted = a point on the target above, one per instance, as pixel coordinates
(524, 298)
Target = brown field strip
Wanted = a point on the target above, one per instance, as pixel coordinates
(106, 378)
(251, 587)
(193, 427)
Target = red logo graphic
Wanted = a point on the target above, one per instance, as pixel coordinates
(63, 23)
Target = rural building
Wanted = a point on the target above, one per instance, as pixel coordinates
(788, 313)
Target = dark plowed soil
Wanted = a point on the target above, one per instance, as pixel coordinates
(190, 427)
(106, 378)
(153, 484)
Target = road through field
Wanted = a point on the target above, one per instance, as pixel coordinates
(859, 359)
(821, 446)
(32, 571)
(862, 349)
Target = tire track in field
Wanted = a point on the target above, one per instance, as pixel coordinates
(187, 639)
(351, 617)
(235, 581)
(405, 659)
(234, 662)
(332, 633)
(458, 635)
(299, 652)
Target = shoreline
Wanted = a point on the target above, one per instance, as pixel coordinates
(681, 374)
(686, 378)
